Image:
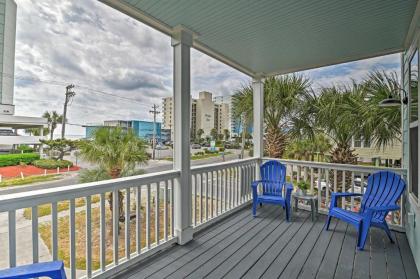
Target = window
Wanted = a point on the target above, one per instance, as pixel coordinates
(366, 143)
(414, 131)
(414, 91)
(357, 142)
(414, 162)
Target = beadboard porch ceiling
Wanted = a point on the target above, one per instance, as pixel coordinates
(281, 36)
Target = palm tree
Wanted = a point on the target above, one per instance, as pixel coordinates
(382, 125)
(213, 134)
(53, 119)
(344, 112)
(282, 98)
(242, 109)
(116, 151)
(200, 132)
(338, 114)
(36, 131)
(226, 134)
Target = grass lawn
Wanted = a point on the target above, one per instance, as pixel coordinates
(63, 236)
(63, 233)
(45, 209)
(28, 180)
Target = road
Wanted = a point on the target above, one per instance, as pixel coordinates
(72, 178)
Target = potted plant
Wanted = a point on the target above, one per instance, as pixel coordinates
(303, 187)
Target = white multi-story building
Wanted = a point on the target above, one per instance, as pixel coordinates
(206, 114)
(232, 124)
(10, 123)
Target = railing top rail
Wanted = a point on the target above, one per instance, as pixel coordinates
(346, 167)
(36, 197)
(217, 166)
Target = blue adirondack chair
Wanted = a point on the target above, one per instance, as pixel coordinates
(273, 183)
(54, 270)
(382, 193)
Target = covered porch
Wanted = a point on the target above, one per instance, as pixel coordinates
(202, 224)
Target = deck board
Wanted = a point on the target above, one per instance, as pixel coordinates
(242, 246)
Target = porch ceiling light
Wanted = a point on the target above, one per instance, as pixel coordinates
(393, 102)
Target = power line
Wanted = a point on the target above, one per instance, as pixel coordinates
(62, 83)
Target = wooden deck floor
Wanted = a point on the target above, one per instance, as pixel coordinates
(268, 247)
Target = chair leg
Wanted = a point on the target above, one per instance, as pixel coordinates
(287, 208)
(388, 232)
(363, 233)
(254, 207)
(327, 225)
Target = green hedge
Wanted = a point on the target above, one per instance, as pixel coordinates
(16, 159)
(52, 164)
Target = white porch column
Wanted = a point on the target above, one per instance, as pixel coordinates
(258, 106)
(182, 42)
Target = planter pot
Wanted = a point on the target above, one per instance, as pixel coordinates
(302, 192)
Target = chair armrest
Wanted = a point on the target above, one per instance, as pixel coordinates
(383, 208)
(289, 190)
(336, 195)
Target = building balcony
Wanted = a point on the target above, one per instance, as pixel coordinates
(227, 240)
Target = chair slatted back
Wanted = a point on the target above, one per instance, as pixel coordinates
(275, 174)
(384, 188)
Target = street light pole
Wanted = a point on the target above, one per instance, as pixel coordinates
(69, 94)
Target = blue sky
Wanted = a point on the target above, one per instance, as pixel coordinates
(105, 52)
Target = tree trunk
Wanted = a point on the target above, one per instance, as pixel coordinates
(115, 173)
(342, 154)
(276, 142)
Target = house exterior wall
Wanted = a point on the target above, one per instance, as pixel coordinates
(368, 152)
(412, 205)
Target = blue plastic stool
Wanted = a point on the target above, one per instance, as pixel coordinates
(54, 270)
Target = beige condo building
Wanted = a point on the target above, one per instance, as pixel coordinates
(205, 114)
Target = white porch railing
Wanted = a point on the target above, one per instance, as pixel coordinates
(219, 189)
(338, 178)
(83, 209)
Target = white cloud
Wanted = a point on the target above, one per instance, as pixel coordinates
(94, 46)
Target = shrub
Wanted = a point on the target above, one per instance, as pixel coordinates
(199, 153)
(52, 164)
(16, 159)
(303, 185)
(221, 149)
(208, 151)
(25, 149)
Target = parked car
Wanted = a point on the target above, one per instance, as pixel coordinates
(195, 146)
(161, 147)
(358, 185)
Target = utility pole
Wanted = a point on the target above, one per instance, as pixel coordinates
(69, 94)
(154, 112)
